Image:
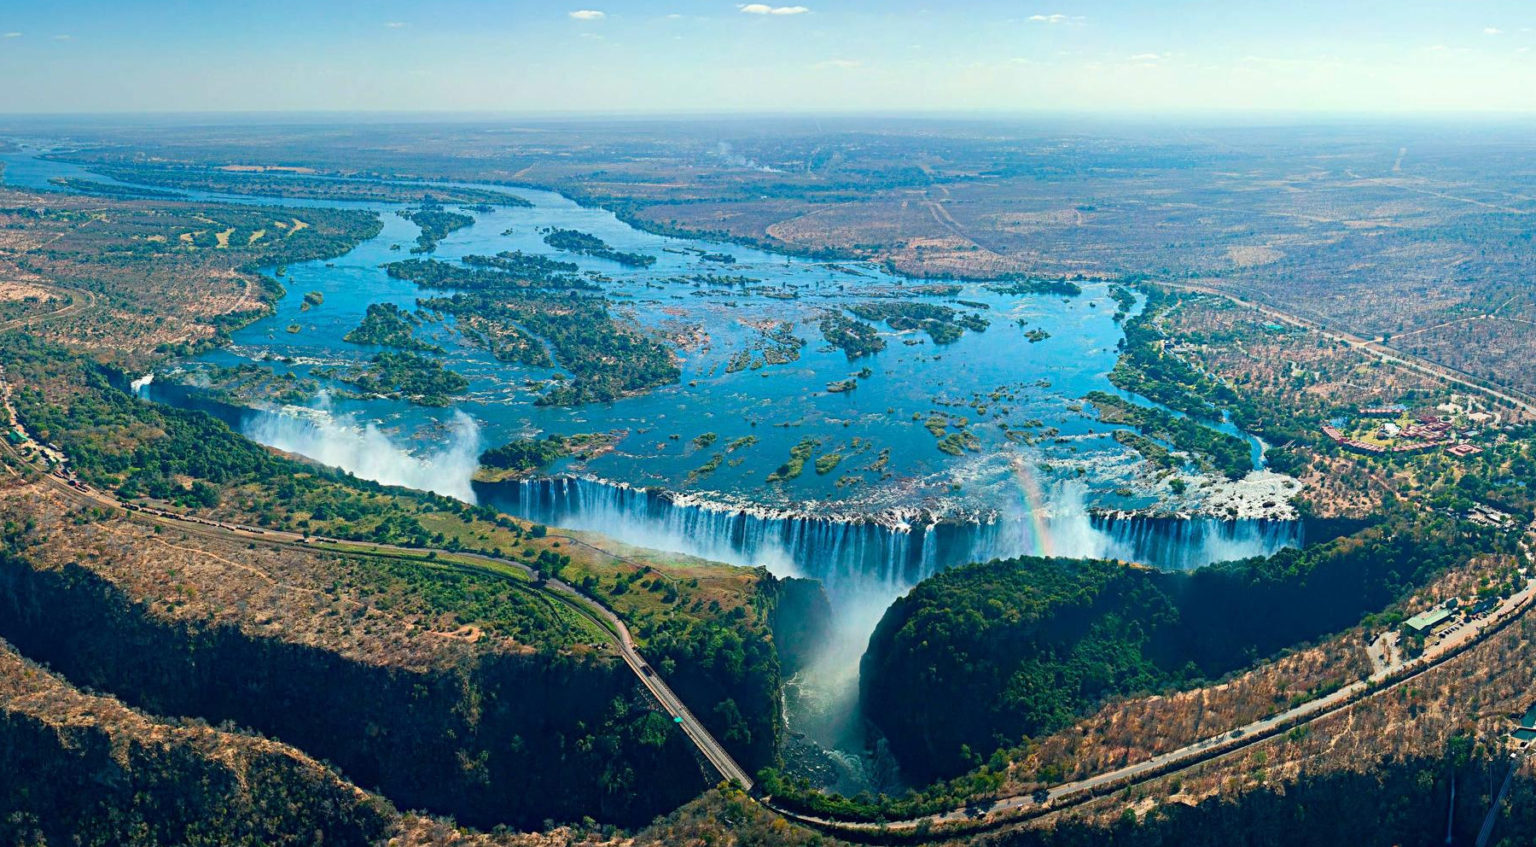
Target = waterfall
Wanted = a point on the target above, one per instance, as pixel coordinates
(1185, 543)
(890, 551)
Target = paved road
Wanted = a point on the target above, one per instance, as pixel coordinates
(589, 607)
(1517, 399)
(1059, 797)
(1075, 793)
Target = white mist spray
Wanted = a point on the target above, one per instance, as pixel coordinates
(365, 452)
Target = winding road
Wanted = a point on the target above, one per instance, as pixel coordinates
(1386, 676)
(583, 604)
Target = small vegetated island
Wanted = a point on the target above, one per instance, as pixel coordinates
(1034, 285)
(526, 456)
(854, 338)
(523, 317)
(1226, 453)
(388, 325)
(502, 272)
(403, 376)
(530, 266)
(436, 224)
(576, 241)
(942, 323)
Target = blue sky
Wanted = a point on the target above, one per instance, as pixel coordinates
(596, 56)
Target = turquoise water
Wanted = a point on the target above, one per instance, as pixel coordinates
(867, 534)
(779, 405)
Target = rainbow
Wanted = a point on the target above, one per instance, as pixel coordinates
(1040, 542)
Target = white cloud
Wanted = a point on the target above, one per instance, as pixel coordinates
(1055, 18)
(1492, 30)
(1146, 57)
(765, 9)
(588, 15)
(840, 63)
(13, 35)
(62, 37)
(394, 24)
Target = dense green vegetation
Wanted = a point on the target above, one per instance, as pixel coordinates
(1017, 285)
(298, 186)
(429, 273)
(943, 324)
(1228, 454)
(435, 225)
(388, 325)
(404, 376)
(1125, 300)
(576, 241)
(980, 657)
(526, 265)
(1146, 367)
(855, 338)
(525, 455)
(731, 671)
(606, 358)
(107, 189)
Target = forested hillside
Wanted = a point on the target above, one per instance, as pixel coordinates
(983, 656)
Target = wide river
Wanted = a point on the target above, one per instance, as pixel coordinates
(894, 508)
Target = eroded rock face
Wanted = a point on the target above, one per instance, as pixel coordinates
(84, 768)
(491, 737)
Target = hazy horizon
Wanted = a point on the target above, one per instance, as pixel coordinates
(706, 57)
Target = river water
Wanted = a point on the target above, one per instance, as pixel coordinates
(894, 509)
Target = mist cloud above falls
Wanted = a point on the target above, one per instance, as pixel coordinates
(366, 452)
